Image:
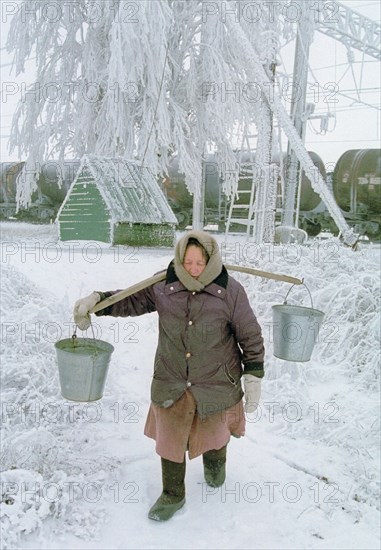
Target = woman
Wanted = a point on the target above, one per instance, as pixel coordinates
(208, 338)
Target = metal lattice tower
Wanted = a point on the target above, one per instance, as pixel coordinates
(349, 27)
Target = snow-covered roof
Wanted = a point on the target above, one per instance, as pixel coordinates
(130, 191)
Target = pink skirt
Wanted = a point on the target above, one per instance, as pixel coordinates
(179, 428)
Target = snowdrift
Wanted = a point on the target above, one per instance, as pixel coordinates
(68, 468)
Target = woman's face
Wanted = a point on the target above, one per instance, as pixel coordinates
(194, 261)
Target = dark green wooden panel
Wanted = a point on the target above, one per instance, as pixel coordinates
(85, 215)
(85, 201)
(144, 234)
(85, 231)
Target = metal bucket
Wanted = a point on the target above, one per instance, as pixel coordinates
(83, 365)
(295, 330)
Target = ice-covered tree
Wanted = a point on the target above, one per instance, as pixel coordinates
(146, 80)
(131, 79)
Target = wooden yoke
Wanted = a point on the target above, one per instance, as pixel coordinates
(128, 291)
(265, 274)
(162, 274)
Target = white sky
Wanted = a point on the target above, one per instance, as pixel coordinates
(355, 125)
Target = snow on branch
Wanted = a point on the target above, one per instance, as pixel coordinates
(169, 77)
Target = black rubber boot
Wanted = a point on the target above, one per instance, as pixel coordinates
(173, 496)
(215, 467)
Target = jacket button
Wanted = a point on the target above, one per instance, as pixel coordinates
(193, 293)
(171, 288)
(190, 323)
(189, 384)
(187, 355)
(219, 291)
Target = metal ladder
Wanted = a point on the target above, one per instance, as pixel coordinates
(241, 205)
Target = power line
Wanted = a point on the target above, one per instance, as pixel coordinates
(343, 109)
(364, 90)
(345, 64)
(355, 100)
(312, 94)
(343, 141)
(366, 5)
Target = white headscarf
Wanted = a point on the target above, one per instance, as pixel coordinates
(213, 267)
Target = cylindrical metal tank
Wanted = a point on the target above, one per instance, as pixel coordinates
(357, 181)
(309, 199)
(212, 182)
(174, 186)
(47, 184)
(180, 198)
(9, 173)
(51, 172)
(46, 199)
(177, 192)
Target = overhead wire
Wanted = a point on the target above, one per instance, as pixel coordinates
(349, 66)
(361, 5)
(344, 64)
(322, 130)
(357, 102)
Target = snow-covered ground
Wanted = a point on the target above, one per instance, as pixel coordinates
(83, 475)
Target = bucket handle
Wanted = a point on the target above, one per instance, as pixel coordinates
(74, 335)
(289, 290)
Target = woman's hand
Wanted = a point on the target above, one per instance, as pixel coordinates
(252, 389)
(82, 308)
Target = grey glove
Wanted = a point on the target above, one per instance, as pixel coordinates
(252, 389)
(82, 307)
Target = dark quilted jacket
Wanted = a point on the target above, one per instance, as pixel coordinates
(206, 340)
